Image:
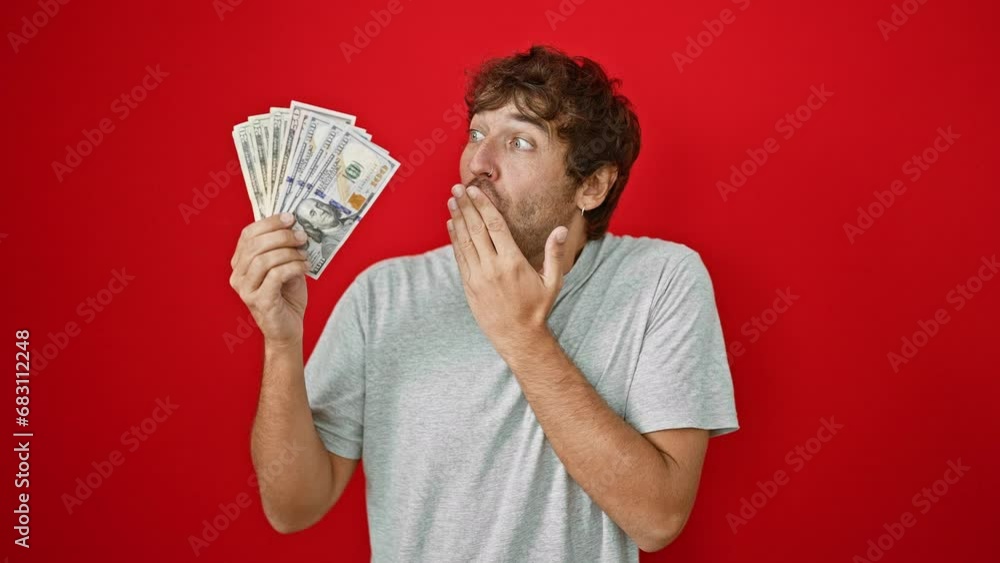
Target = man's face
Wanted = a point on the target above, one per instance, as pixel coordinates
(528, 185)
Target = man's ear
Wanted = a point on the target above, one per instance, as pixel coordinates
(595, 188)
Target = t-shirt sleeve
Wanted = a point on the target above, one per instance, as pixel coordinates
(682, 379)
(335, 375)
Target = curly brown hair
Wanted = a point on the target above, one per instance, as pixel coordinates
(577, 99)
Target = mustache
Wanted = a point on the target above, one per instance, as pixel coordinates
(483, 183)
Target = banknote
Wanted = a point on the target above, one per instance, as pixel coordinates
(314, 124)
(285, 152)
(244, 149)
(331, 134)
(305, 147)
(351, 179)
(279, 126)
(350, 174)
(317, 164)
(260, 138)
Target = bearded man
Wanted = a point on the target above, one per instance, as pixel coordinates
(537, 390)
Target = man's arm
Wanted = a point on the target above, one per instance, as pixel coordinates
(646, 483)
(299, 479)
(647, 486)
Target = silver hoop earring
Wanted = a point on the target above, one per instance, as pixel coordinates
(581, 211)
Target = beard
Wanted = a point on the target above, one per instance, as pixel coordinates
(531, 221)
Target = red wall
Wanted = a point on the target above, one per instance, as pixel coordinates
(826, 357)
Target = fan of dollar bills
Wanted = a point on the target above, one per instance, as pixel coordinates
(316, 164)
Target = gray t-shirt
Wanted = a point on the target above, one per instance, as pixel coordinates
(457, 467)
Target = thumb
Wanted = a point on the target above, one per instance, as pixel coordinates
(555, 249)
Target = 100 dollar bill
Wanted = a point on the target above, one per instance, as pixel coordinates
(351, 179)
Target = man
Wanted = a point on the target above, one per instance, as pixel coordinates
(539, 389)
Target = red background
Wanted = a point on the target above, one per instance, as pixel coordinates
(163, 336)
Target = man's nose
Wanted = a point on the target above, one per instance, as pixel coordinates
(484, 160)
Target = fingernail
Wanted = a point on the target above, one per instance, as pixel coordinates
(457, 191)
(286, 218)
(451, 226)
(561, 236)
(300, 235)
(472, 191)
(303, 252)
(452, 204)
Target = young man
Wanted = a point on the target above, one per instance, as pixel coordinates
(539, 389)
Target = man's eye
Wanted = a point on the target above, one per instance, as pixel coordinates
(475, 135)
(522, 144)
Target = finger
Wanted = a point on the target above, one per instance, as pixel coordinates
(463, 266)
(266, 242)
(555, 249)
(496, 226)
(463, 242)
(263, 263)
(475, 225)
(277, 277)
(265, 225)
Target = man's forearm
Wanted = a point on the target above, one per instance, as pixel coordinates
(621, 471)
(293, 467)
